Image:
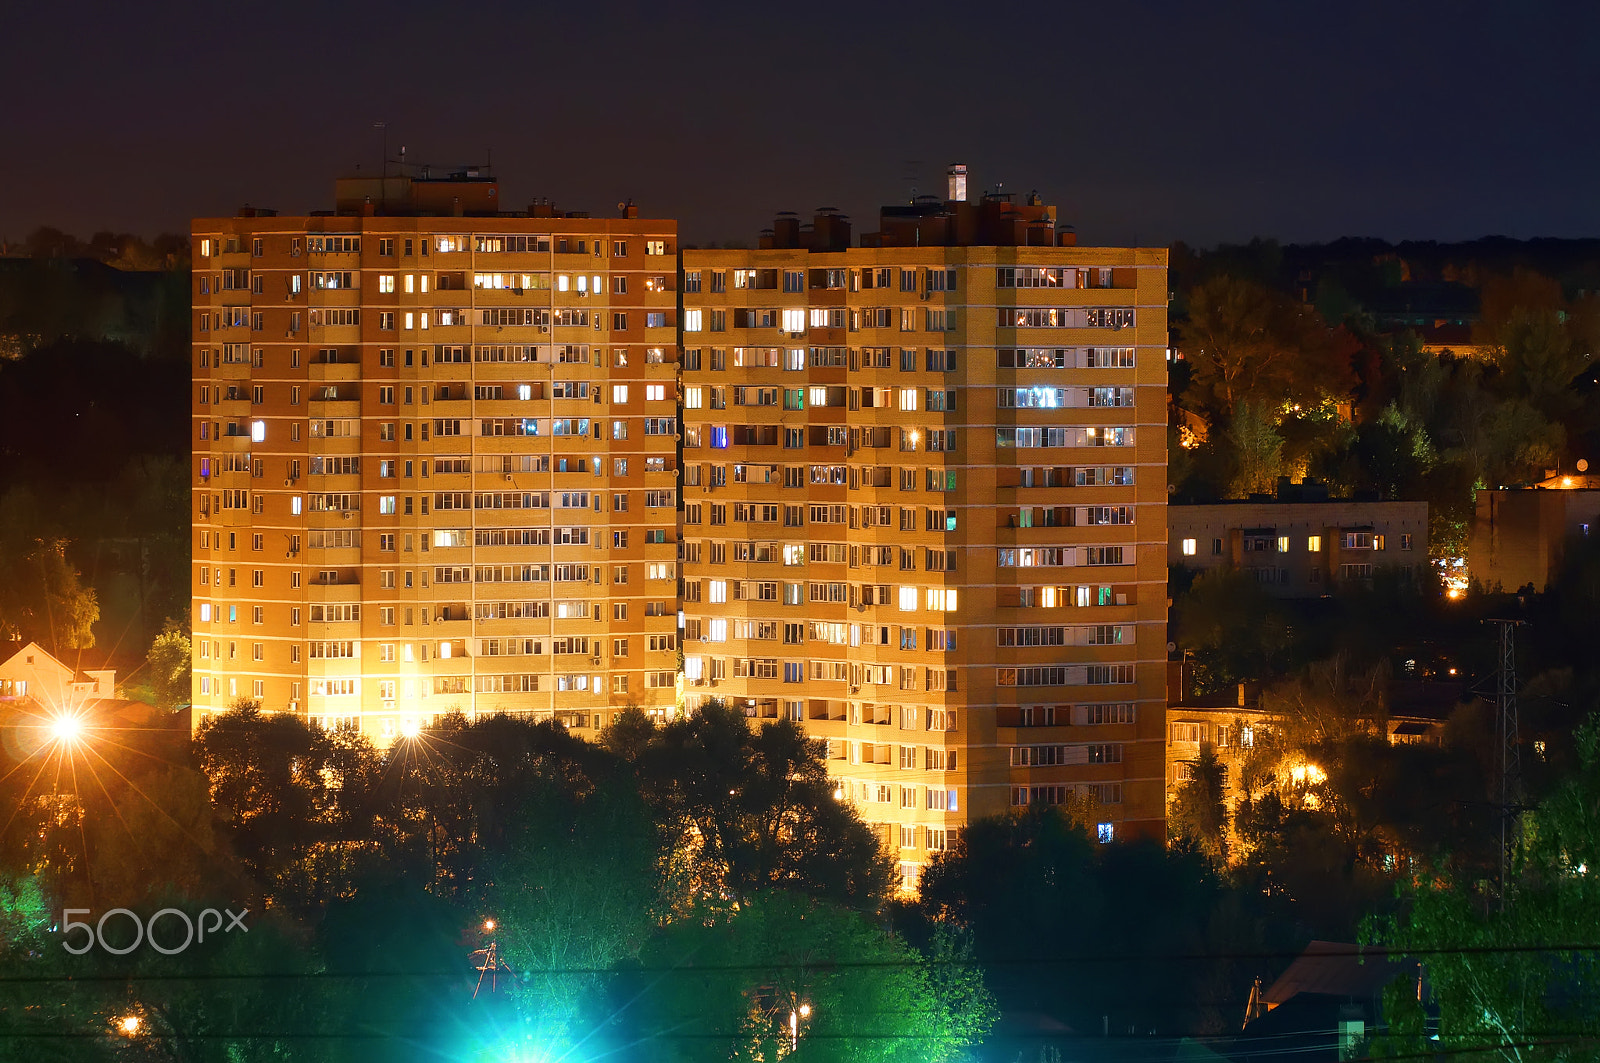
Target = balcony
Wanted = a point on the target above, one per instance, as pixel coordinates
(334, 371)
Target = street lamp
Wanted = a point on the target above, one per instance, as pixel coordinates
(128, 1024)
(795, 1015)
(66, 727)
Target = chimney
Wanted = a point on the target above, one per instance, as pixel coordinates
(958, 182)
(786, 230)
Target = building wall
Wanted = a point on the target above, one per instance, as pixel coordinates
(1275, 540)
(356, 502)
(1518, 536)
(867, 551)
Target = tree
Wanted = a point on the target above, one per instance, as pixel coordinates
(1257, 448)
(1047, 907)
(169, 663)
(292, 799)
(577, 890)
(42, 599)
(754, 808)
(1247, 342)
(1503, 972)
(1234, 628)
(723, 984)
(1199, 813)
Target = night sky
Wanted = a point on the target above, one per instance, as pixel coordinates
(1145, 121)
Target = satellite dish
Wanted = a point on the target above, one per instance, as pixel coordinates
(1172, 647)
(1583, 464)
(621, 206)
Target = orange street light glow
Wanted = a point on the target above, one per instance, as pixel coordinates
(66, 728)
(128, 1024)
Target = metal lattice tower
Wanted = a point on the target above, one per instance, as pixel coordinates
(1508, 733)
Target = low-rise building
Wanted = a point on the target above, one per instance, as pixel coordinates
(1413, 712)
(1300, 544)
(1519, 535)
(33, 672)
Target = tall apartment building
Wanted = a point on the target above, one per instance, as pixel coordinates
(924, 508)
(434, 458)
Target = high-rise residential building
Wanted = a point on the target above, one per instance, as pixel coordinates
(437, 467)
(435, 449)
(924, 490)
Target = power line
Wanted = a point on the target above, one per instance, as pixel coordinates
(821, 967)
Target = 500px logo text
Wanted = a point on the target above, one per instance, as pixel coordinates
(144, 930)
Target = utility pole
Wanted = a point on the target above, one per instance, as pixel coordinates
(1507, 731)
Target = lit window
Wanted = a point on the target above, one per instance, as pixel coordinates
(619, 393)
(794, 320)
(386, 282)
(1104, 833)
(693, 320)
(258, 431)
(1314, 544)
(655, 392)
(908, 599)
(562, 282)
(1283, 544)
(719, 590)
(1188, 548)
(908, 398)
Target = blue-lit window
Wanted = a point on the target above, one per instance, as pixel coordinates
(233, 614)
(1104, 833)
(719, 437)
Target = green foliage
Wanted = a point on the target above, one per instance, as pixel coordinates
(1249, 343)
(292, 798)
(754, 809)
(370, 870)
(1047, 910)
(1504, 974)
(578, 889)
(42, 599)
(1235, 630)
(168, 667)
(1198, 814)
(722, 985)
(1257, 448)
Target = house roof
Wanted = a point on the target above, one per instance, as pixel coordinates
(1335, 969)
(41, 658)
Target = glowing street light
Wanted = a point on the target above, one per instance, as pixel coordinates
(410, 729)
(128, 1024)
(66, 728)
(488, 925)
(795, 1015)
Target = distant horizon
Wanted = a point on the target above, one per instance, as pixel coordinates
(12, 240)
